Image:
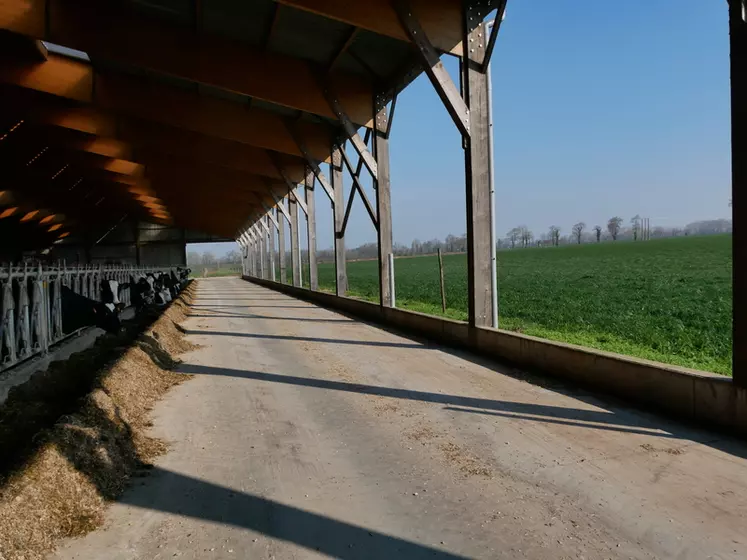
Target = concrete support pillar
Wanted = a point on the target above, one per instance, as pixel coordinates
(311, 230)
(477, 180)
(338, 209)
(295, 248)
(281, 247)
(383, 206)
(738, 40)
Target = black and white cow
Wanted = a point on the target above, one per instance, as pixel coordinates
(183, 275)
(110, 293)
(142, 293)
(79, 311)
(156, 280)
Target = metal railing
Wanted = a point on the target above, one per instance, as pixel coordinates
(31, 303)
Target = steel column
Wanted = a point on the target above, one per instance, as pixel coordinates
(477, 176)
(383, 208)
(311, 230)
(738, 39)
(338, 210)
(295, 249)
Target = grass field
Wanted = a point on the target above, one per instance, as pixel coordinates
(667, 300)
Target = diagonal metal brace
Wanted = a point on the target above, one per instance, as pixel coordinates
(434, 68)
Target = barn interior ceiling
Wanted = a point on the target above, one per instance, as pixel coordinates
(187, 113)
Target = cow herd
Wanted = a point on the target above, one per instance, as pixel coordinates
(147, 291)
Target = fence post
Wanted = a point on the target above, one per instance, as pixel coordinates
(441, 276)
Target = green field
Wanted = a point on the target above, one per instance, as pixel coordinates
(667, 300)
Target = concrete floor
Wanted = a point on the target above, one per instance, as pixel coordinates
(306, 434)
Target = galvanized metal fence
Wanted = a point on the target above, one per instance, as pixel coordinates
(31, 303)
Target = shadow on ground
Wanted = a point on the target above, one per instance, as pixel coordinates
(183, 495)
(611, 418)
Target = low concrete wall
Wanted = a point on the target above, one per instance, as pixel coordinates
(702, 397)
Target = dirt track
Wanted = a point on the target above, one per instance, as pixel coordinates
(307, 434)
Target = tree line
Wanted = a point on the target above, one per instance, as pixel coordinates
(640, 229)
(517, 238)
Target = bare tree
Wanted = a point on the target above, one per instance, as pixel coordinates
(577, 230)
(636, 221)
(613, 226)
(526, 236)
(194, 258)
(555, 235)
(513, 235)
(598, 231)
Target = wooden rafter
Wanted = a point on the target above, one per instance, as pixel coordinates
(100, 29)
(120, 94)
(441, 19)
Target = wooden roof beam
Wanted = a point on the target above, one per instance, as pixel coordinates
(74, 80)
(115, 31)
(441, 19)
(151, 142)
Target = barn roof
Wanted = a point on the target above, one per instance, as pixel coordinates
(189, 112)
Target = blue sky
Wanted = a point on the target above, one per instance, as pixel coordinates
(600, 109)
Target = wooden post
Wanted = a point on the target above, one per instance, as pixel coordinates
(443, 286)
(477, 175)
(281, 246)
(267, 236)
(738, 39)
(272, 248)
(261, 249)
(295, 255)
(311, 230)
(338, 209)
(383, 206)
